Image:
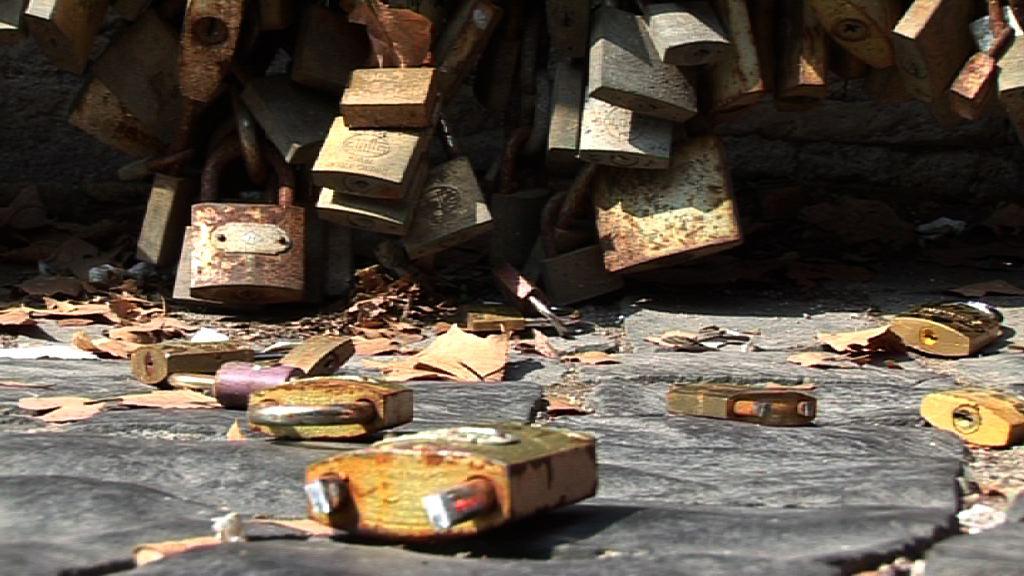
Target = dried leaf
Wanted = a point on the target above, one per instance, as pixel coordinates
(708, 338)
(59, 409)
(374, 346)
(593, 358)
(47, 403)
(539, 344)
(999, 287)
(59, 309)
(154, 552)
(11, 384)
(104, 346)
(151, 332)
(15, 317)
(398, 37)
(872, 340)
(558, 406)
(50, 285)
(455, 355)
(304, 525)
(169, 400)
(235, 433)
(821, 360)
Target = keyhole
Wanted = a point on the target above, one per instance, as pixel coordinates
(222, 238)
(150, 364)
(210, 31)
(928, 338)
(966, 419)
(851, 30)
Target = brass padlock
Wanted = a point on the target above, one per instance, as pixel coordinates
(98, 112)
(861, 27)
(328, 49)
(167, 214)
(295, 120)
(330, 408)
(980, 416)
(616, 136)
(648, 219)
(390, 98)
(737, 79)
(463, 43)
(208, 42)
(154, 364)
(566, 117)
(320, 355)
(932, 42)
(765, 406)
(379, 164)
(64, 29)
(140, 67)
(247, 253)
(950, 329)
(493, 319)
(625, 70)
(452, 482)
(569, 27)
(384, 216)
(11, 30)
(801, 77)
(685, 33)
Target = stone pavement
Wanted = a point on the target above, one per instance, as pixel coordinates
(687, 496)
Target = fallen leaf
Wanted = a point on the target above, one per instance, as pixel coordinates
(304, 525)
(562, 407)
(707, 338)
(374, 346)
(47, 403)
(822, 360)
(804, 386)
(75, 322)
(998, 287)
(15, 317)
(155, 551)
(59, 309)
(170, 399)
(60, 409)
(594, 357)
(235, 433)
(50, 285)
(104, 346)
(539, 344)
(152, 332)
(10, 384)
(872, 340)
(455, 355)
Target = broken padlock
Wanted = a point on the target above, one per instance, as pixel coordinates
(861, 27)
(247, 253)
(296, 120)
(154, 364)
(527, 297)
(453, 482)
(390, 98)
(950, 329)
(979, 416)
(463, 43)
(11, 30)
(330, 408)
(625, 70)
(685, 33)
(64, 29)
(208, 42)
(167, 211)
(648, 219)
(765, 406)
(737, 79)
(801, 76)
(616, 136)
(320, 355)
(328, 49)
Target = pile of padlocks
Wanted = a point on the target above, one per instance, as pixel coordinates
(609, 109)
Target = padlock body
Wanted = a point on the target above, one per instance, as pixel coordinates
(295, 119)
(861, 27)
(578, 276)
(450, 212)
(979, 416)
(100, 114)
(801, 76)
(566, 117)
(248, 253)
(952, 330)
(784, 407)
(615, 136)
(375, 215)
(208, 42)
(464, 40)
(153, 364)
(493, 319)
(64, 29)
(167, 214)
(328, 49)
(686, 34)
(738, 78)
(237, 381)
(531, 470)
(320, 355)
(392, 403)
(390, 98)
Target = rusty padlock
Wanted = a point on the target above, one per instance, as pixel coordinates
(296, 120)
(616, 136)
(11, 29)
(464, 40)
(247, 253)
(861, 27)
(802, 67)
(980, 416)
(330, 408)
(320, 355)
(452, 482)
(626, 71)
(154, 364)
(974, 89)
(685, 33)
(648, 219)
(328, 49)
(737, 80)
(451, 209)
(208, 41)
(390, 98)
(167, 213)
(765, 406)
(949, 329)
(64, 29)
(98, 112)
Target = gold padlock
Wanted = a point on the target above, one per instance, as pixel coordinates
(765, 406)
(384, 216)
(98, 112)
(801, 77)
(737, 79)
(296, 120)
(616, 136)
(208, 42)
(950, 329)
(167, 211)
(64, 29)
(861, 27)
(979, 416)
(625, 70)
(685, 33)
(648, 219)
(11, 30)
(328, 49)
(453, 482)
(463, 43)
(154, 364)
(330, 408)
(390, 98)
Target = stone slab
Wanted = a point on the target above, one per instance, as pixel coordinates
(996, 551)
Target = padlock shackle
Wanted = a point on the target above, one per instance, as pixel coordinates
(248, 136)
(230, 151)
(578, 198)
(285, 176)
(548, 222)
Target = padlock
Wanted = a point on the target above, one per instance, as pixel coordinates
(686, 33)
(737, 80)
(452, 482)
(566, 117)
(495, 319)
(861, 27)
(140, 67)
(625, 70)
(11, 29)
(974, 89)
(330, 408)
(569, 27)
(320, 355)
(464, 40)
(209, 39)
(378, 164)
(98, 112)
(980, 416)
(392, 217)
(433, 10)
(154, 364)
(932, 42)
(276, 14)
(765, 406)
(950, 329)
(64, 29)
(648, 219)
(130, 9)
(236, 382)
(167, 215)
(247, 253)
(616, 136)
(295, 120)
(801, 77)
(328, 49)
(451, 209)
(390, 98)
(527, 297)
